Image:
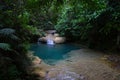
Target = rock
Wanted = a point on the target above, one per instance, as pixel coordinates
(37, 60)
(82, 77)
(40, 73)
(59, 39)
(56, 35)
(50, 31)
(43, 39)
(50, 36)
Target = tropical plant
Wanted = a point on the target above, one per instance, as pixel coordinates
(4, 46)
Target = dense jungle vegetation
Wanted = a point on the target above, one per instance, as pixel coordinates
(95, 23)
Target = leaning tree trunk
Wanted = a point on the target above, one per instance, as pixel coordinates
(118, 39)
(118, 42)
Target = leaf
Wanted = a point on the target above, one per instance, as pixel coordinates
(7, 31)
(4, 46)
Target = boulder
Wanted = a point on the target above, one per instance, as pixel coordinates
(40, 73)
(59, 39)
(43, 39)
(36, 60)
(56, 35)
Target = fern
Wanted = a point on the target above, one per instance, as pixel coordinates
(8, 34)
(4, 46)
(7, 31)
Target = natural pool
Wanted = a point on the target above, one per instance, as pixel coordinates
(52, 53)
(81, 64)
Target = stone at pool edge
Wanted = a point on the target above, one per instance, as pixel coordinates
(36, 60)
(43, 39)
(59, 40)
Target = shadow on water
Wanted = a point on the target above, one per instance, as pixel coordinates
(52, 53)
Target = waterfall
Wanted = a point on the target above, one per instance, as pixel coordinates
(49, 39)
(50, 42)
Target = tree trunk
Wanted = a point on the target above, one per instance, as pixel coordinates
(118, 41)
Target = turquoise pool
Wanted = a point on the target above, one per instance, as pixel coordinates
(52, 53)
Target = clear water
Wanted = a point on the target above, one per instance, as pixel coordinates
(52, 53)
(50, 42)
(64, 74)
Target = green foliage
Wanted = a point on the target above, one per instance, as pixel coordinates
(24, 18)
(6, 31)
(4, 46)
(8, 34)
(9, 72)
(92, 22)
(74, 20)
(43, 14)
(15, 32)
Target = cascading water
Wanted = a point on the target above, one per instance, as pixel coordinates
(50, 42)
(49, 38)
